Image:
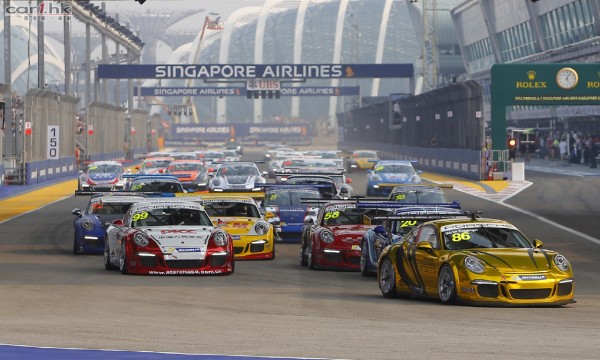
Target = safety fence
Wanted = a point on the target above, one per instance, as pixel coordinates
(51, 140)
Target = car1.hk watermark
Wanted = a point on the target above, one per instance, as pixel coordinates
(46, 10)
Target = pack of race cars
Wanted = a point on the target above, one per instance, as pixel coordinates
(416, 241)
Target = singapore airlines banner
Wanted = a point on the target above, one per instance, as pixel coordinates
(254, 71)
(225, 131)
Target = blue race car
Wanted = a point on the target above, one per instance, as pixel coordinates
(154, 183)
(389, 173)
(287, 207)
(395, 227)
(90, 224)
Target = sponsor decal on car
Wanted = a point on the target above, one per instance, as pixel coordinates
(529, 277)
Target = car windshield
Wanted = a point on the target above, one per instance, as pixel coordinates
(154, 164)
(419, 197)
(394, 169)
(365, 155)
(147, 185)
(104, 208)
(290, 198)
(186, 167)
(99, 169)
(170, 217)
(483, 236)
(231, 209)
(232, 170)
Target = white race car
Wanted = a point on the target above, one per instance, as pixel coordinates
(168, 237)
(237, 176)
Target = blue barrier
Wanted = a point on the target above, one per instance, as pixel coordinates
(1, 175)
(462, 163)
(45, 170)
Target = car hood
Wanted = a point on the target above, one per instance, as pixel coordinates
(344, 232)
(515, 260)
(401, 178)
(179, 236)
(239, 179)
(192, 175)
(103, 176)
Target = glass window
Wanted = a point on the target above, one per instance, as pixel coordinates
(428, 234)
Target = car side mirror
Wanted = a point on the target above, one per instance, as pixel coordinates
(77, 212)
(537, 243)
(309, 221)
(348, 181)
(137, 167)
(118, 222)
(265, 173)
(424, 245)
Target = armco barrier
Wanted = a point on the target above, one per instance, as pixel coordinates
(462, 163)
(45, 170)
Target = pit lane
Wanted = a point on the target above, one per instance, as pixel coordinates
(51, 297)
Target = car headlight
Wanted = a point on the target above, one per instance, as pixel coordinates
(561, 263)
(261, 227)
(375, 177)
(87, 224)
(327, 236)
(216, 182)
(140, 239)
(220, 238)
(475, 265)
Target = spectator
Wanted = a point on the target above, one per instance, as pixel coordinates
(562, 146)
(593, 153)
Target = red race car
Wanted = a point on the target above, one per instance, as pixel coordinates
(332, 241)
(168, 236)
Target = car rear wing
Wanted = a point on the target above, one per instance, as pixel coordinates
(97, 193)
(421, 188)
(293, 186)
(428, 215)
(162, 175)
(257, 193)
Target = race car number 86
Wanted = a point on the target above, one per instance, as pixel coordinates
(461, 236)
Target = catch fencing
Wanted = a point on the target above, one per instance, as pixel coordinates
(444, 127)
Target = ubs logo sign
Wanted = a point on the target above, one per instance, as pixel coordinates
(531, 84)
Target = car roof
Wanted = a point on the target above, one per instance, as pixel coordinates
(118, 199)
(158, 203)
(416, 187)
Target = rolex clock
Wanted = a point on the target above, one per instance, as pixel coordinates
(567, 78)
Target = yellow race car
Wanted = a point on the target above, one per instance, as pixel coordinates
(362, 159)
(475, 261)
(253, 236)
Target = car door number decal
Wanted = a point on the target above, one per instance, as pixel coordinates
(406, 223)
(400, 196)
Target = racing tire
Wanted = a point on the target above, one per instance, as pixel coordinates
(107, 265)
(77, 250)
(123, 259)
(303, 257)
(310, 261)
(447, 285)
(364, 259)
(387, 278)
